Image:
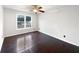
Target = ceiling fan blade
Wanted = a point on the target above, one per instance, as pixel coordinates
(34, 6)
(41, 11)
(40, 7)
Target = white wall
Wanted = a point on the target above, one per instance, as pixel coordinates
(1, 26)
(61, 21)
(10, 22)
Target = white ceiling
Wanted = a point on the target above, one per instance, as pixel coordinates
(27, 8)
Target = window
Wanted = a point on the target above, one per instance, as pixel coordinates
(23, 21)
(20, 21)
(28, 21)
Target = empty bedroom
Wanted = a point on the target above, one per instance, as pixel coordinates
(39, 28)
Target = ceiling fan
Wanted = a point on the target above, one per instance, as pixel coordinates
(37, 9)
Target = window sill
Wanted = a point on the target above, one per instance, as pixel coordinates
(23, 28)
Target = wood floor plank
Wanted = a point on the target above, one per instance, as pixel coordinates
(36, 42)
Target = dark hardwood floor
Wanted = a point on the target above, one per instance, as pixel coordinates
(36, 42)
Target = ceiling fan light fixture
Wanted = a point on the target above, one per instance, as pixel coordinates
(37, 9)
(34, 10)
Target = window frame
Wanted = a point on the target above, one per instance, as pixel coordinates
(24, 22)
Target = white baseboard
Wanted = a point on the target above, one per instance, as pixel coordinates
(61, 39)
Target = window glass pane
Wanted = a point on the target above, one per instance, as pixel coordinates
(28, 21)
(20, 21)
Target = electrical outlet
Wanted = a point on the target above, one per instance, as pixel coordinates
(64, 36)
